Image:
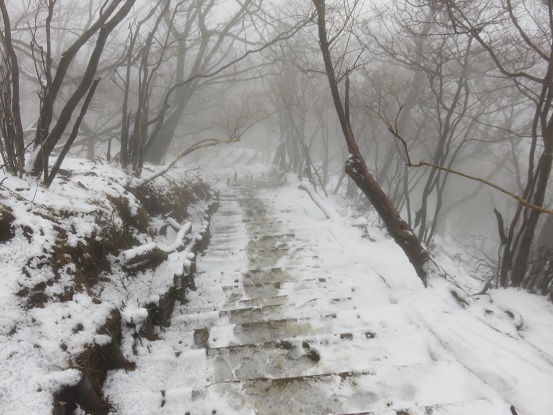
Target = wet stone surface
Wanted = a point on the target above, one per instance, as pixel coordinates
(272, 329)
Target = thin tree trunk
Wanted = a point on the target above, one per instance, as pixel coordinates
(357, 169)
(48, 181)
(37, 163)
(14, 124)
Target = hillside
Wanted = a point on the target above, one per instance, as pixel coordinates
(65, 285)
(296, 306)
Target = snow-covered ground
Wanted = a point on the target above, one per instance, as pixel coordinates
(51, 314)
(296, 313)
(300, 307)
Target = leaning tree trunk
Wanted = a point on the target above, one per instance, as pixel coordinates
(357, 169)
(520, 266)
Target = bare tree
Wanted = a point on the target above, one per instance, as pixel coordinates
(517, 37)
(357, 169)
(208, 48)
(12, 146)
(47, 138)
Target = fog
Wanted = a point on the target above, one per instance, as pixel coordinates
(462, 87)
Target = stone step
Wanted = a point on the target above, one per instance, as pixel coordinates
(256, 302)
(312, 308)
(267, 275)
(237, 238)
(481, 406)
(382, 388)
(260, 216)
(223, 263)
(269, 289)
(308, 356)
(276, 254)
(370, 319)
(266, 227)
(273, 237)
(283, 276)
(284, 266)
(240, 297)
(270, 307)
(227, 247)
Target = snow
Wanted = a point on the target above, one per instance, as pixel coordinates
(428, 348)
(329, 212)
(341, 291)
(39, 344)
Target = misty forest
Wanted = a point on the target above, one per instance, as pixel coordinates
(267, 206)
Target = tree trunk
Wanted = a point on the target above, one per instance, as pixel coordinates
(520, 266)
(15, 144)
(38, 161)
(357, 169)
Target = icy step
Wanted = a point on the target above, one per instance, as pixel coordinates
(283, 238)
(239, 299)
(268, 275)
(227, 228)
(272, 237)
(268, 289)
(230, 210)
(256, 302)
(266, 308)
(254, 249)
(276, 254)
(234, 238)
(235, 198)
(475, 407)
(301, 298)
(311, 308)
(260, 216)
(276, 300)
(226, 248)
(188, 322)
(308, 287)
(383, 388)
(224, 262)
(259, 332)
(309, 261)
(263, 228)
(262, 262)
(275, 246)
(228, 240)
(281, 275)
(268, 226)
(324, 354)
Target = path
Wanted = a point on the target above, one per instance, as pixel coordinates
(287, 319)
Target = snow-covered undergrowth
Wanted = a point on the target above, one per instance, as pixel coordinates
(282, 272)
(62, 271)
(63, 276)
(504, 337)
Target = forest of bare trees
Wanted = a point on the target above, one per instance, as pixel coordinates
(446, 106)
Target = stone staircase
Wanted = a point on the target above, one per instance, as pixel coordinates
(271, 330)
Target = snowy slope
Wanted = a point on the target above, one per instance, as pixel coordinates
(51, 306)
(296, 313)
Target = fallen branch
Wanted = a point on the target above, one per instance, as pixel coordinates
(518, 321)
(157, 250)
(329, 212)
(210, 142)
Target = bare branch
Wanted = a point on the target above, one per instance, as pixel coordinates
(519, 199)
(210, 142)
